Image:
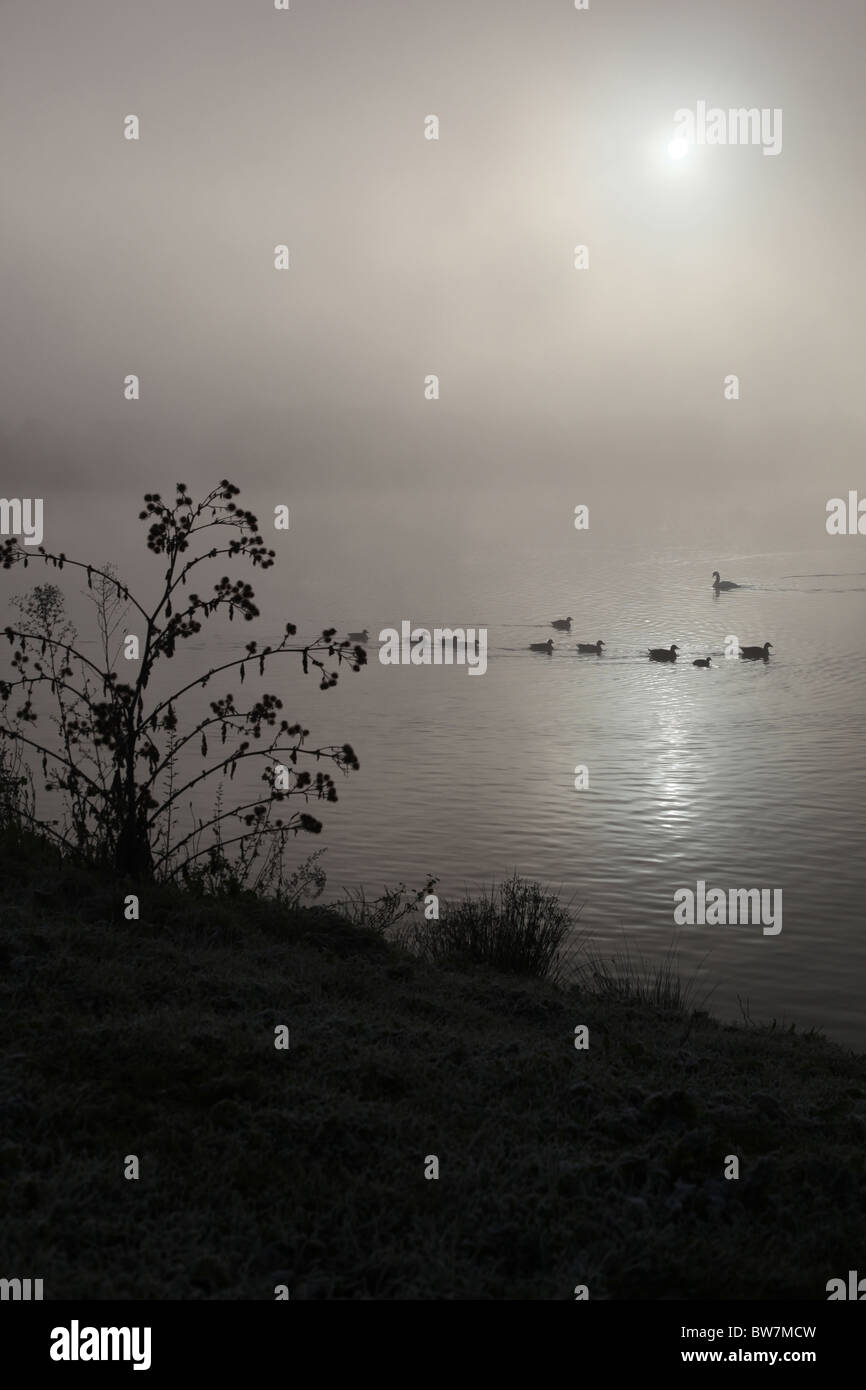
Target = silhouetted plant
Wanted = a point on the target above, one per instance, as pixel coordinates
(117, 756)
(381, 914)
(634, 979)
(16, 789)
(517, 926)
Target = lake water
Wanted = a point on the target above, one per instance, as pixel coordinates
(744, 775)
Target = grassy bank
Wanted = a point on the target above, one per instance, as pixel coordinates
(306, 1167)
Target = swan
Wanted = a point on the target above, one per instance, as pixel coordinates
(359, 636)
(704, 662)
(542, 646)
(757, 653)
(720, 584)
(564, 624)
(663, 653)
(588, 647)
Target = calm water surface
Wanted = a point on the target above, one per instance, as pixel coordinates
(744, 775)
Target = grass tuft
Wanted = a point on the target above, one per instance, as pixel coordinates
(633, 979)
(516, 927)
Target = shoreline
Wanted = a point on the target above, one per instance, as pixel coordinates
(559, 1165)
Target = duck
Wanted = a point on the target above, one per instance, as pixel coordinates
(359, 636)
(720, 584)
(542, 646)
(588, 647)
(705, 661)
(563, 624)
(664, 653)
(757, 653)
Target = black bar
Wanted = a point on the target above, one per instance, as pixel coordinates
(225, 1339)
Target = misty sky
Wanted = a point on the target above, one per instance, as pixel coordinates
(412, 257)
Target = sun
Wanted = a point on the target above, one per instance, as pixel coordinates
(678, 148)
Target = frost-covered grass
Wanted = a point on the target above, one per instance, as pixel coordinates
(558, 1166)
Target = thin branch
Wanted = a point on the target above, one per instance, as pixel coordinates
(331, 752)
